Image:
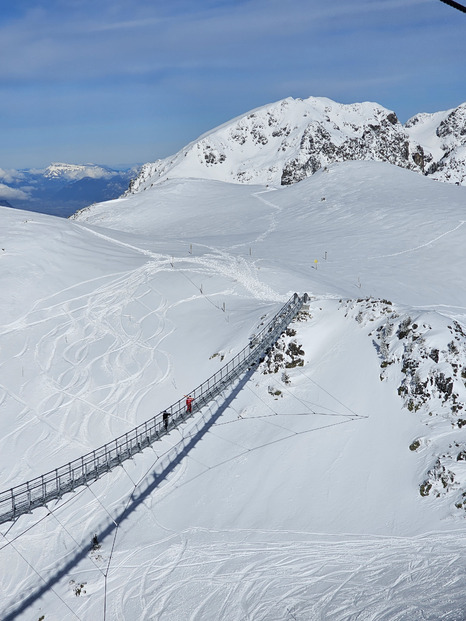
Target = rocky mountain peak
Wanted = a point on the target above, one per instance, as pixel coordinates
(287, 141)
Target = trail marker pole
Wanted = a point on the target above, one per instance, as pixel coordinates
(315, 263)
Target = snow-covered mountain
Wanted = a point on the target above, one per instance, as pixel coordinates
(333, 478)
(285, 142)
(75, 172)
(443, 136)
(61, 189)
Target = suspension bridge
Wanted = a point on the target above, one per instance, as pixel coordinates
(37, 492)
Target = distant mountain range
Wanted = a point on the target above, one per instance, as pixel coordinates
(277, 144)
(287, 141)
(61, 189)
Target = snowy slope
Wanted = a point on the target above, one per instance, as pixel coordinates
(287, 141)
(298, 499)
(443, 138)
(423, 129)
(334, 211)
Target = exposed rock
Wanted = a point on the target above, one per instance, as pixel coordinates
(285, 142)
(427, 355)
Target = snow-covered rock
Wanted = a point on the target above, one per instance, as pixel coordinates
(443, 138)
(287, 141)
(74, 172)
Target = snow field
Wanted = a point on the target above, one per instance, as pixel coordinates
(302, 503)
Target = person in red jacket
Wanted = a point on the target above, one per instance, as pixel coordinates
(189, 401)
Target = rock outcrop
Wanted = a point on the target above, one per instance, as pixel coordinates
(285, 142)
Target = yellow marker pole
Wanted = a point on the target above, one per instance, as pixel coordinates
(315, 262)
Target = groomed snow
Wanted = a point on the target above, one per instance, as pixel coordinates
(294, 500)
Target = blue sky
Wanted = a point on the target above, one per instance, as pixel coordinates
(128, 81)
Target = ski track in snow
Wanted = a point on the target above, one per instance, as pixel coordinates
(273, 222)
(233, 267)
(428, 243)
(149, 253)
(98, 355)
(237, 575)
(93, 357)
(236, 268)
(91, 354)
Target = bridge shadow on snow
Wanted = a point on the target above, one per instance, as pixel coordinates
(136, 500)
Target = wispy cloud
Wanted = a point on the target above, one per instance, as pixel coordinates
(9, 176)
(9, 193)
(86, 44)
(93, 75)
(132, 24)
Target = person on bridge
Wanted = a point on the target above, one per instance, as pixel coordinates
(165, 419)
(189, 402)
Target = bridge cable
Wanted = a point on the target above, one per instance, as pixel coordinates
(76, 542)
(50, 511)
(43, 579)
(330, 395)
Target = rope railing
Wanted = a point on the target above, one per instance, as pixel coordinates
(38, 492)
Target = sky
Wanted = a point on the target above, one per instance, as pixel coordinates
(124, 82)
